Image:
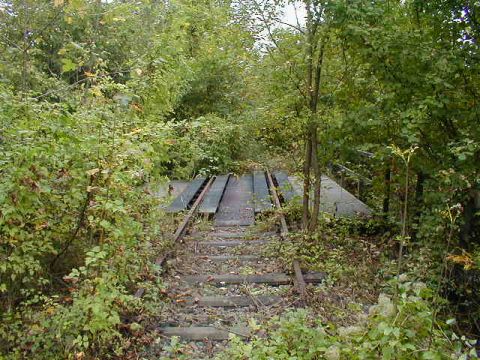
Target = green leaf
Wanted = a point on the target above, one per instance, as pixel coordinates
(68, 65)
(105, 224)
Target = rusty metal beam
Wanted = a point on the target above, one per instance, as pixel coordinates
(276, 202)
(180, 229)
(183, 225)
(300, 283)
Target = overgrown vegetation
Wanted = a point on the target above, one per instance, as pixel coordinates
(387, 332)
(364, 309)
(102, 101)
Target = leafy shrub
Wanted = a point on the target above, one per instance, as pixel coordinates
(334, 249)
(389, 331)
(207, 145)
(88, 323)
(74, 201)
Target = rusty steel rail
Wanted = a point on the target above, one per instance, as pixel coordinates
(180, 232)
(276, 202)
(183, 225)
(360, 177)
(300, 283)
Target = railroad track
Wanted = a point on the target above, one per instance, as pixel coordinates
(223, 278)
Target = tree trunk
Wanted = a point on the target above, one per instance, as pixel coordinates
(306, 183)
(318, 181)
(470, 228)
(307, 164)
(419, 190)
(387, 184)
(314, 55)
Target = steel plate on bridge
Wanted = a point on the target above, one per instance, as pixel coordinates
(261, 195)
(214, 195)
(284, 185)
(236, 206)
(183, 200)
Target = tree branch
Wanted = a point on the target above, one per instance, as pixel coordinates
(81, 220)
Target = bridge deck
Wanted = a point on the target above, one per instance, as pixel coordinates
(182, 201)
(236, 208)
(334, 199)
(236, 200)
(284, 185)
(214, 195)
(261, 195)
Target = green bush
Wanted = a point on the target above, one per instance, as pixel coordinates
(207, 145)
(76, 213)
(389, 331)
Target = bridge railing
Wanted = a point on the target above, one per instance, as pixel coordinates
(350, 179)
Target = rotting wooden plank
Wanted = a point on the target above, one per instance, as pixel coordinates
(183, 225)
(213, 197)
(236, 258)
(234, 301)
(242, 235)
(261, 195)
(299, 280)
(237, 235)
(199, 333)
(183, 200)
(232, 243)
(274, 279)
(336, 200)
(284, 185)
(236, 228)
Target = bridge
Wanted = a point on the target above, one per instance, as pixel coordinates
(233, 200)
(222, 275)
